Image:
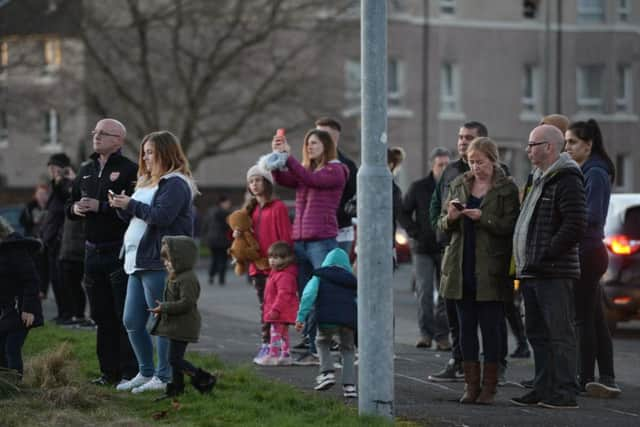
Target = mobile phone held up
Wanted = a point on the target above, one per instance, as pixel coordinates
(458, 205)
(280, 132)
(111, 193)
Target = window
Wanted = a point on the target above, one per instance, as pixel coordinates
(447, 7)
(624, 10)
(624, 171)
(590, 11)
(624, 94)
(530, 88)
(51, 128)
(4, 57)
(4, 128)
(52, 55)
(449, 88)
(395, 82)
(589, 90)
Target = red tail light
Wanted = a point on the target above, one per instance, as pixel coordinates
(621, 245)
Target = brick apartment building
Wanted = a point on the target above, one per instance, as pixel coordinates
(502, 63)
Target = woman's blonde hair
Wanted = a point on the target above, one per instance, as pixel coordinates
(485, 146)
(329, 153)
(168, 158)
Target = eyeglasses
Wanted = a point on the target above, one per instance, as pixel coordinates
(467, 137)
(532, 144)
(101, 133)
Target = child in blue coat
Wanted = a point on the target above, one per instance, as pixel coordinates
(332, 290)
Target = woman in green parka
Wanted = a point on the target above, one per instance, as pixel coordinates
(479, 215)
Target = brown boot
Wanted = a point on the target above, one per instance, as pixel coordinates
(489, 383)
(472, 382)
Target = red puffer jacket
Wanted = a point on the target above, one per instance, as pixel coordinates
(281, 296)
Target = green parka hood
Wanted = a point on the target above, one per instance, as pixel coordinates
(183, 252)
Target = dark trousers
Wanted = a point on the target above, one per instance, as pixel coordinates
(61, 291)
(447, 308)
(549, 322)
(218, 264)
(179, 366)
(594, 340)
(11, 349)
(42, 260)
(72, 272)
(259, 281)
(106, 286)
(489, 315)
(513, 316)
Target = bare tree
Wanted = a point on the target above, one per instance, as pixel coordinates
(220, 74)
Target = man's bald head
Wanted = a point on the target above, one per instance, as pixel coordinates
(114, 125)
(108, 136)
(545, 145)
(548, 133)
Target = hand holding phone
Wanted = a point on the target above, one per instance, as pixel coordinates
(111, 193)
(458, 205)
(280, 132)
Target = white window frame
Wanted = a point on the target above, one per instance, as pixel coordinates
(624, 10)
(52, 50)
(449, 88)
(447, 7)
(52, 128)
(585, 102)
(624, 172)
(531, 78)
(352, 82)
(590, 13)
(624, 77)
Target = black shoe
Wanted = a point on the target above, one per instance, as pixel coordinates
(521, 352)
(335, 347)
(302, 345)
(105, 380)
(558, 401)
(173, 390)
(527, 383)
(452, 372)
(529, 399)
(203, 381)
(605, 388)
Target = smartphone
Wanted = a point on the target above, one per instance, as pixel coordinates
(280, 132)
(458, 205)
(111, 193)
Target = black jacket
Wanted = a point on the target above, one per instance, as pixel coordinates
(337, 293)
(557, 225)
(119, 173)
(344, 219)
(51, 231)
(19, 281)
(415, 215)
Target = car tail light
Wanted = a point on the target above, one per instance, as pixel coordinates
(622, 245)
(621, 300)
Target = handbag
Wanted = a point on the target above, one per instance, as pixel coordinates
(10, 320)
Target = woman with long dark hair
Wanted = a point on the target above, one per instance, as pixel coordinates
(584, 144)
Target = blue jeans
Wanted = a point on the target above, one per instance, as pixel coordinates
(310, 255)
(549, 321)
(11, 349)
(143, 289)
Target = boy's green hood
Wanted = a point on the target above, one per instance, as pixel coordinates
(339, 258)
(183, 252)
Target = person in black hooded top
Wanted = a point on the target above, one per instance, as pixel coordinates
(20, 307)
(583, 142)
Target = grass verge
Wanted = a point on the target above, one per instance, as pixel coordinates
(55, 392)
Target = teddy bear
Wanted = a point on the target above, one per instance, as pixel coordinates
(244, 248)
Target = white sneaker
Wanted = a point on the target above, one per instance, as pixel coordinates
(134, 382)
(153, 384)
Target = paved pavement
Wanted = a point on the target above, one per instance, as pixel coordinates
(231, 330)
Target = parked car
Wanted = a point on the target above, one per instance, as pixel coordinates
(12, 214)
(621, 282)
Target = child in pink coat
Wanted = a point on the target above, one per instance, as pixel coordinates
(280, 303)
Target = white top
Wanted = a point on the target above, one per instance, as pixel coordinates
(136, 229)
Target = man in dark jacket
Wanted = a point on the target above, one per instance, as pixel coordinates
(545, 245)
(346, 234)
(467, 133)
(104, 278)
(51, 231)
(426, 251)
